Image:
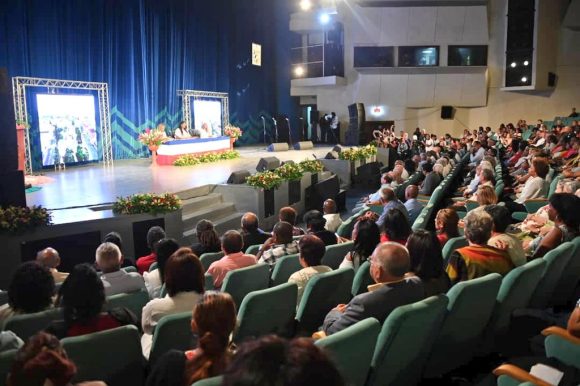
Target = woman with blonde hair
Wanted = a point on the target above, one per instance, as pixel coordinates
(446, 225)
(486, 196)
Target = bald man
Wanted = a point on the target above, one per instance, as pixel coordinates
(413, 206)
(50, 258)
(333, 220)
(251, 232)
(389, 263)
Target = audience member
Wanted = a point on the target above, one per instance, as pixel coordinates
(389, 263)
(30, 290)
(315, 223)
(154, 280)
(115, 280)
(184, 283)
(446, 225)
(288, 214)
(389, 201)
(312, 251)
(234, 258)
(427, 262)
(275, 361)
(208, 240)
(535, 186)
(396, 227)
(478, 259)
(333, 220)
(366, 236)
(9, 341)
(154, 234)
(280, 244)
(213, 321)
(431, 181)
(502, 240)
(251, 232)
(413, 206)
(50, 258)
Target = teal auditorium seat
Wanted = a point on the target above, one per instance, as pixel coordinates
(570, 279)
(335, 254)
(112, 356)
(451, 245)
(352, 350)
(208, 282)
(463, 326)
(322, 293)
(284, 268)
(26, 325)
(6, 359)
(241, 282)
(554, 184)
(267, 311)
(345, 229)
(214, 381)
(253, 249)
(208, 258)
(130, 269)
(134, 301)
(556, 260)
(173, 332)
(362, 279)
(405, 341)
(153, 267)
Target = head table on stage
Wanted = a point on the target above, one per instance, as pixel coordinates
(172, 150)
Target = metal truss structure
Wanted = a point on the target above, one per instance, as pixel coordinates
(186, 105)
(19, 85)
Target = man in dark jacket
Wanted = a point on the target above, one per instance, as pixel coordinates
(251, 232)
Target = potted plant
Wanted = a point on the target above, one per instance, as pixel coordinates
(234, 133)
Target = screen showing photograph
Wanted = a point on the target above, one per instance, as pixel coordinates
(68, 128)
(207, 117)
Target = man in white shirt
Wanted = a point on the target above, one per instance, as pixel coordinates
(333, 220)
(502, 240)
(477, 154)
(115, 280)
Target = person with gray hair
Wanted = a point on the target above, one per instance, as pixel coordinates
(389, 200)
(50, 258)
(390, 262)
(115, 280)
(477, 259)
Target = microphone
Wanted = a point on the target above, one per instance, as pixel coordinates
(314, 155)
(274, 119)
(287, 119)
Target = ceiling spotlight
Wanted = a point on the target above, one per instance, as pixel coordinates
(524, 79)
(305, 5)
(513, 64)
(526, 62)
(324, 18)
(299, 71)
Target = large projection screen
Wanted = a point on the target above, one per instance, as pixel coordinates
(207, 117)
(68, 128)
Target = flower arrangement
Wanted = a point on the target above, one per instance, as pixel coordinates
(153, 137)
(147, 203)
(265, 180)
(15, 219)
(355, 154)
(190, 160)
(233, 131)
(312, 166)
(290, 172)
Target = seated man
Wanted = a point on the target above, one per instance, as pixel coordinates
(431, 180)
(251, 232)
(50, 258)
(478, 259)
(333, 220)
(389, 263)
(315, 223)
(232, 243)
(280, 244)
(115, 280)
(312, 250)
(413, 206)
(288, 214)
(154, 234)
(389, 201)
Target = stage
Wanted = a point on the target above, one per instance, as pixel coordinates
(76, 189)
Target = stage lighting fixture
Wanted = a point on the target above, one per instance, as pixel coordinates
(524, 79)
(299, 71)
(513, 64)
(324, 18)
(526, 62)
(305, 5)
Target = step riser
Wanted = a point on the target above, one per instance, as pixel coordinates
(222, 225)
(195, 192)
(200, 203)
(189, 221)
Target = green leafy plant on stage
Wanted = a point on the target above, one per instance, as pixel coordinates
(15, 219)
(357, 154)
(147, 203)
(264, 180)
(190, 160)
(312, 166)
(290, 172)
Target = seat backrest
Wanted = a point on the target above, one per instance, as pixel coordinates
(362, 279)
(556, 260)
(345, 229)
(214, 381)
(112, 356)
(563, 350)
(404, 342)
(3, 297)
(208, 258)
(242, 281)
(6, 359)
(533, 205)
(26, 325)
(336, 253)
(463, 325)
(322, 293)
(173, 332)
(208, 282)
(451, 245)
(564, 291)
(153, 267)
(267, 311)
(131, 268)
(284, 268)
(253, 249)
(554, 185)
(134, 301)
(470, 205)
(352, 349)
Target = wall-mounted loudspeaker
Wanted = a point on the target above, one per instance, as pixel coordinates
(238, 177)
(446, 112)
(268, 163)
(303, 145)
(552, 79)
(278, 146)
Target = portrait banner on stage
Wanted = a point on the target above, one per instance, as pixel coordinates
(207, 113)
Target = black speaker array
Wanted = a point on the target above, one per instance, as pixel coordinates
(268, 163)
(356, 114)
(446, 112)
(519, 43)
(238, 177)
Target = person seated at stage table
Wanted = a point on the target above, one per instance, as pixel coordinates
(205, 131)
(154, 280)
(280, 244)
(234, 258)
(154, 234)
(115, 280)
(315, 223)
(50, 258)
(181, 132)
(251, 232)
(333, 220)
(208, 240)
(30, 290)
(288, 214)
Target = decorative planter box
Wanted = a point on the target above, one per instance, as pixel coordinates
(344, 169)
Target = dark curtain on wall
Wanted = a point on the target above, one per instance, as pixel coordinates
(145, 50)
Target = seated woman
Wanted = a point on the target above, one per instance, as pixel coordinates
(154, 279)
(207, 238)
(184, 283)
(31, 290)
(534, 187)
(446, 223)
(396, 227)
(427, 262)
(366, 236)
(214, 320)
(181, 132)
(82, 297)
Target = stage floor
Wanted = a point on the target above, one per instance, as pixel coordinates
(91, 185)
